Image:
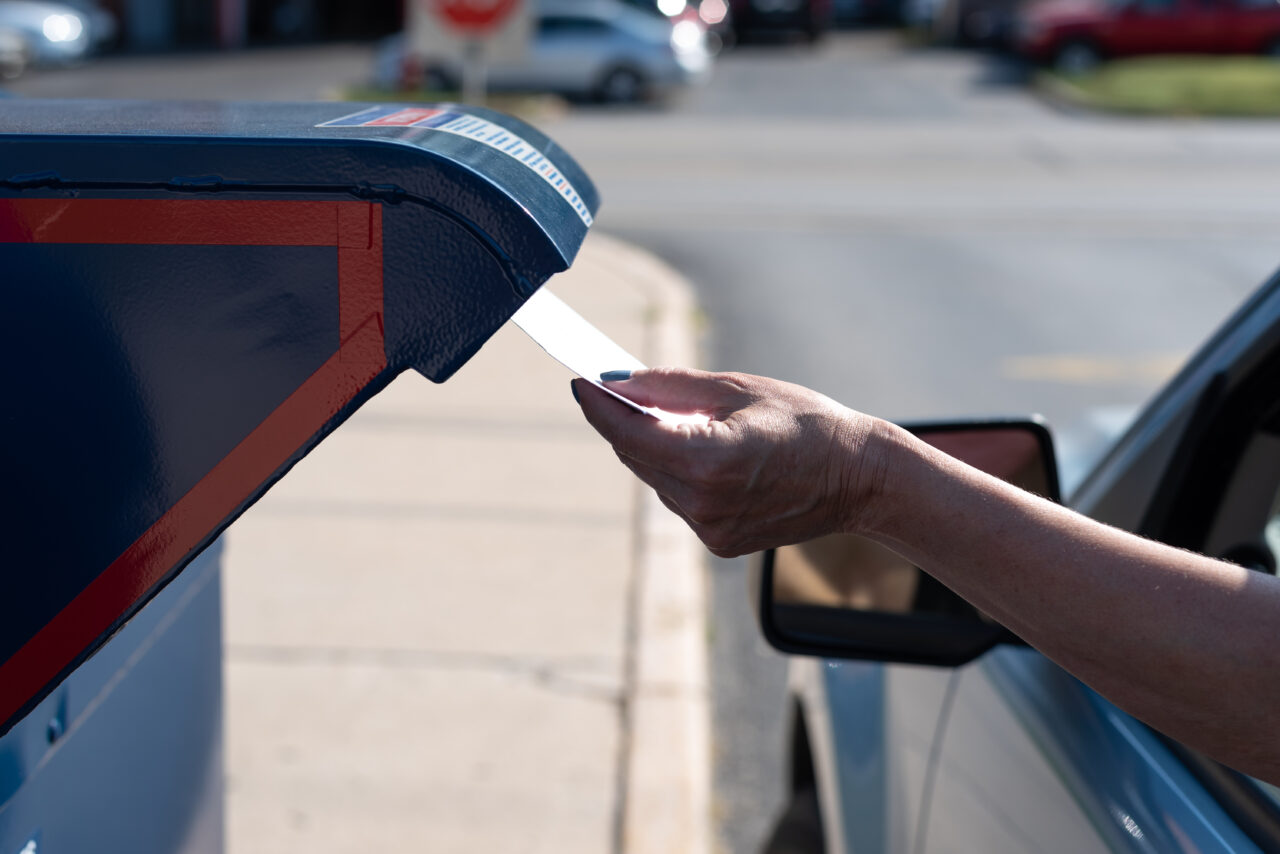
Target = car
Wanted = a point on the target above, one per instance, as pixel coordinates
(604, 49)
(56, 33)
(922, 17)
(712, 15)
(978, 23)
(810, 18)
(917, 724)
(1075, 35)
(857, 12)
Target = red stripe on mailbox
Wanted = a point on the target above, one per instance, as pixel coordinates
(165, 222)
(355, 228)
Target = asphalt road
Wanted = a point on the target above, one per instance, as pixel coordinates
(913, 234)
(907, 231)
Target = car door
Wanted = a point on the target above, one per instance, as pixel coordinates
(1031, 759)
(564, 55)
(1152, 26)
(1250, 26)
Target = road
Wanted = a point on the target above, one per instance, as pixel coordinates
(913, 234)
(906, 230)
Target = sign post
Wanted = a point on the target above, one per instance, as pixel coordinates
(480, 28)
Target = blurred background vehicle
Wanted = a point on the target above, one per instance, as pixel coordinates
(104, 29)
(713, 15)
(810, 18)
(54, 33)
(976, 23)
(919, 15)
(1075, 35)
(857, 12)
(13, 53)
(603, 49)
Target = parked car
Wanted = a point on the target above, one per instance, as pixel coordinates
(965, 739)
(56, 33)
(1075, 35)
(104, 29)
(921, 16)
(977, 23)
(606, 49)
(810, 18)
(712, 15)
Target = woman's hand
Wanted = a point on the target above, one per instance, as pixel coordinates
(776, 464)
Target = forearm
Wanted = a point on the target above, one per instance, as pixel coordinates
(1188, 644)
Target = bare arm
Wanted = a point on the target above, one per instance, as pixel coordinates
(1188, 644)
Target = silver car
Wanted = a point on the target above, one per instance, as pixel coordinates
(923, 726)
(53, 33)
(605, 49)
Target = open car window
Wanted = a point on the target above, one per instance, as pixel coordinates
(1228, 507)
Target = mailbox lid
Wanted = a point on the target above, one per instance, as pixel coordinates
(511, 181)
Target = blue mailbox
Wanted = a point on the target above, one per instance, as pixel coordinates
(197, 294)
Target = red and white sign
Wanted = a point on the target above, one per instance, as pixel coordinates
(440, 30)
(473, 16)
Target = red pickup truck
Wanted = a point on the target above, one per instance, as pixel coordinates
(1075, 35)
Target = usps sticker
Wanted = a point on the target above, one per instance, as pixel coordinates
(448, 120)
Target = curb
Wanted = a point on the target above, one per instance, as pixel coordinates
(668, 766)
(1067, 99)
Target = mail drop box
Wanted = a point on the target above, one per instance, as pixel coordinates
(197, 294)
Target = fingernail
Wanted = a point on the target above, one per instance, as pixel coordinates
(573, 388)
(615, 376)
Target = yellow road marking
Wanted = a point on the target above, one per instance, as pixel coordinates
(1089, 369)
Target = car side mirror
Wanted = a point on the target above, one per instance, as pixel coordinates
(844, 596)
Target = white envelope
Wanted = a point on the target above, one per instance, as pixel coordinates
(583, 349)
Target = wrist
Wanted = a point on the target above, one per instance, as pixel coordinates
(877, 453)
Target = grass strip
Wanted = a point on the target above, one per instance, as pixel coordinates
(1174, 86)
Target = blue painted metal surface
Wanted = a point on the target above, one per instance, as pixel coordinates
(1034, 759)
(136, 765)
(203, 292)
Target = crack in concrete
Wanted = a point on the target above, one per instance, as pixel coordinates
(381, 510)
(543, 673)
(469, 426)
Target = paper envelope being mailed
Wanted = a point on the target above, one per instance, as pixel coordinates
(583, 349)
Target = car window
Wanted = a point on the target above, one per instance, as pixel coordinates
(567, 25)
(1245, 527)
(1246, 523)
(1155, 7)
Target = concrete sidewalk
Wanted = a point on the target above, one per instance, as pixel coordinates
(461, 625)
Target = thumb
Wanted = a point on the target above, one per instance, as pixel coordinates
(681, 390)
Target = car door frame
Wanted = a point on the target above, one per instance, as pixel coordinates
(1202, 417)
(1185, 446)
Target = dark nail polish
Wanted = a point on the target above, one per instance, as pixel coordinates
(573, 388)
(615, 376)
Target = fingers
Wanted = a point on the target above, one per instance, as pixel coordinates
(704, 533)
(682, 390)
(710, 535)
(632, 433)
(665, 485)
